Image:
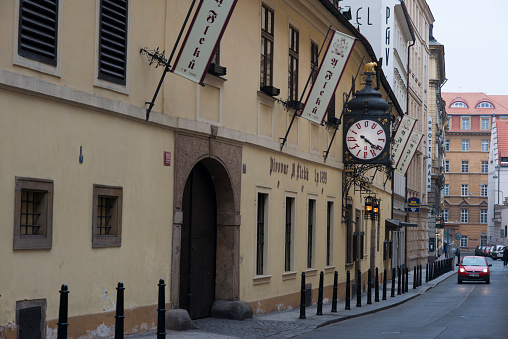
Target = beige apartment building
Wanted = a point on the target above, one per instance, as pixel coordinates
(200, 195)
(467, 159)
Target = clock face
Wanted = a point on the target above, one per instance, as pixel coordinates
(366, 139)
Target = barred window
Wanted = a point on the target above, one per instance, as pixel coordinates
(107, 216)
(261, 234)
(33, 213)
(329, 233)
(38, 30)
(113, 41)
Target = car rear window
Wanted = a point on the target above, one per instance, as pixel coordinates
(474, 262)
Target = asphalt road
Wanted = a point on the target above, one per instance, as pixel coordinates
(450, 310)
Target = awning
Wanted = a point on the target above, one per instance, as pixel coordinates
(396, 224)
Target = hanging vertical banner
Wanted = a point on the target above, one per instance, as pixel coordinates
(202, 39)
(429, 153)
(409, 152)
(328, 77)
(401, 137)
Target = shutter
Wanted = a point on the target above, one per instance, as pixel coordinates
(113, 41)
(37, 37)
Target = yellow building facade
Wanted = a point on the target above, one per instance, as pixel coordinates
(93, 194)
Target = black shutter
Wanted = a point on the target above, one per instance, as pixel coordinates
(113, 41)
(38, 23)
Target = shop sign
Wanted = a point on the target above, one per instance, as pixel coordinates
(413, 205)
(297, 171)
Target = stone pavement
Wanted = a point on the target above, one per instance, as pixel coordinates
(286, 324)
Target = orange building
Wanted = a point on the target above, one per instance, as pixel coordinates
(466, 166)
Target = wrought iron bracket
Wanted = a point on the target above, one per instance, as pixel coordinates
(155, 56)
(355, 176)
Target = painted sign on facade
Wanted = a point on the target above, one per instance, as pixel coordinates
(409, 152)
(402, 134)
(328, 77)
(202, 39)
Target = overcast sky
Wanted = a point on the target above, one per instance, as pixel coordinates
(475, 36)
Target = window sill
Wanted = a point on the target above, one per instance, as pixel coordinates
(349, 265)
(266, 97)
(329, 269)
(289, 275)
(261, 279)
(310, 272)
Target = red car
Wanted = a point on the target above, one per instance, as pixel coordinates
(473, 268)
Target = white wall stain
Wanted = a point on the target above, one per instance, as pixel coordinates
(108, 301)
(51, 333)
(102, 331)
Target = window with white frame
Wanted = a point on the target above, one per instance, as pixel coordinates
(447, 166)
(445, 215)
(483, 216)
(485, 166)
(483, 190)
(483, 240)
(485, 145)
(465, 123)
(447, 145)
(465, 167)
(484, 105)
(463, 241)
(458, 104)
(465, 145)
(446, 189)
(464, 215)
(464, 190)
(485, 124)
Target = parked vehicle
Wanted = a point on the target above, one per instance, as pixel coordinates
(497, 252)
(486, 251)
(473, 268)
(478, 250)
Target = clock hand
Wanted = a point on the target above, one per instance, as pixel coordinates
(369, 142)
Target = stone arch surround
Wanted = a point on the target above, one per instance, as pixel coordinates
(224, 162)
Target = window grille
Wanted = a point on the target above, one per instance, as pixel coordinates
(113, 41)
(30, 212)
(289, 230)
(261, 234)
(38, 23)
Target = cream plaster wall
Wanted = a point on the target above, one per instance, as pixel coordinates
(41, 139)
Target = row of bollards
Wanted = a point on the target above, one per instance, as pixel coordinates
(438, 268)
(119, 317)
(400, 272)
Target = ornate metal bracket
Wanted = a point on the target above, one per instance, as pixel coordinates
(154, 56)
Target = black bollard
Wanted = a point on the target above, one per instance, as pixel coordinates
(420, 281)
(376, 286)
(384, 284)
(407, 276)
(119, 311)
(161, 312)
(369, 287)
(359, 288)
(348, 290)
(403, 286)
(334, 298)
(393, 282)
(62, 312)
(415, 278)
(320, 294)
(427, 273)
(302, 298)
(399, 276)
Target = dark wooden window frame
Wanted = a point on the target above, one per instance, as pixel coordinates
(38, 31)
(113, 29)
(114, 238)
(294, 46)
(329, 232)
(267, 39)
(310, 232)
(288, 245)
(43, 238)
(261, 231)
